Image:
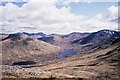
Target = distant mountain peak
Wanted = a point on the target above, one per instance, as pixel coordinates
(32, 34)
(108, 31)
(98, 37)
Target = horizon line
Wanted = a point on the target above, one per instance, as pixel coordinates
(56, 33)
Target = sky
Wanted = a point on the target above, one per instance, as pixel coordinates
(53, 16)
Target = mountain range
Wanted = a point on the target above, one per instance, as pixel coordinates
(97, 53)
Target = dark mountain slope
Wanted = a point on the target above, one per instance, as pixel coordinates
(98, 37)
(47, 39)
(13, 37)
(33, 34)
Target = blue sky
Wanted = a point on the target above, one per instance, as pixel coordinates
(90, 9)
(75, 17)
(20, 4)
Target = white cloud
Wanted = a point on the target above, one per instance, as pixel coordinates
(98, 16)
(113, 13)
(45, 17)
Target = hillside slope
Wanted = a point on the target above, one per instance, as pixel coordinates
(19, 47)
(101, 63)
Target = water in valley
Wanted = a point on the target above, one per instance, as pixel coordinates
(67, 53)
(24, 63)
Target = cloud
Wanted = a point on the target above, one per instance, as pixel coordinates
(93, 24)
(113, 13)
(46, 17)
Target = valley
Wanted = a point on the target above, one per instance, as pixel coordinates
(79, 56)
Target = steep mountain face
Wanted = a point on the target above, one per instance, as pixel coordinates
(20, 47)
(98, 37)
